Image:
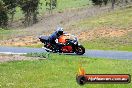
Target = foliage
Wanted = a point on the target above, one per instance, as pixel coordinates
(10, 3)
(11, 7)
(50, 5)
(3, 15)
(41, 55)
(113, 2)
(100, 2)
(30, 10)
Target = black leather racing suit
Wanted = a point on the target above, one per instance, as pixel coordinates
(52, 41)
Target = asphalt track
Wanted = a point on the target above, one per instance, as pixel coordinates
(89, 53)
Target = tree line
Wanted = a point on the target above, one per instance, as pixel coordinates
(113, 2)
(28, 7)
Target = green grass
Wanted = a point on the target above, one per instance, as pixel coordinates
(61, 6)
(106, 46)
(41, 55)
(5, 33)
(9, 33)
(59, 71)
(36, 46)
(117, 19)
(70, 4)
(123, 43)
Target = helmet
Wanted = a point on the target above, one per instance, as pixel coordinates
(59, 31)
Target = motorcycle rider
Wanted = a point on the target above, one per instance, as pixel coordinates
(54, 36)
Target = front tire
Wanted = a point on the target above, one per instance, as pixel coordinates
(80, 50)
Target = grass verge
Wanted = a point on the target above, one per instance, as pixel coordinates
(59, 71)
(103, 46)
(119, 19)
(123, 43)
(5, 33)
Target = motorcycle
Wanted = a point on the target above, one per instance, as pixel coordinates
(68, 44)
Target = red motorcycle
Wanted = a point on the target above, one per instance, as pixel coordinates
(68, 43)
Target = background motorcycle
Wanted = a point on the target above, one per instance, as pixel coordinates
(68, 43)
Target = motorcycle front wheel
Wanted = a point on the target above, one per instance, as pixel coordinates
(80, 50)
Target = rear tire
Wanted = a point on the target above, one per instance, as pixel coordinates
(80, 50)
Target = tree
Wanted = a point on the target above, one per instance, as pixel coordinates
(3, 15)
(51, 4)
(100, 2)
(11, 7)
(120, 3)
(97, 2)
(113, 4)
(105, 2)
(30, 10)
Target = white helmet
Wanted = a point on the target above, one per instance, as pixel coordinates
(59, 30)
